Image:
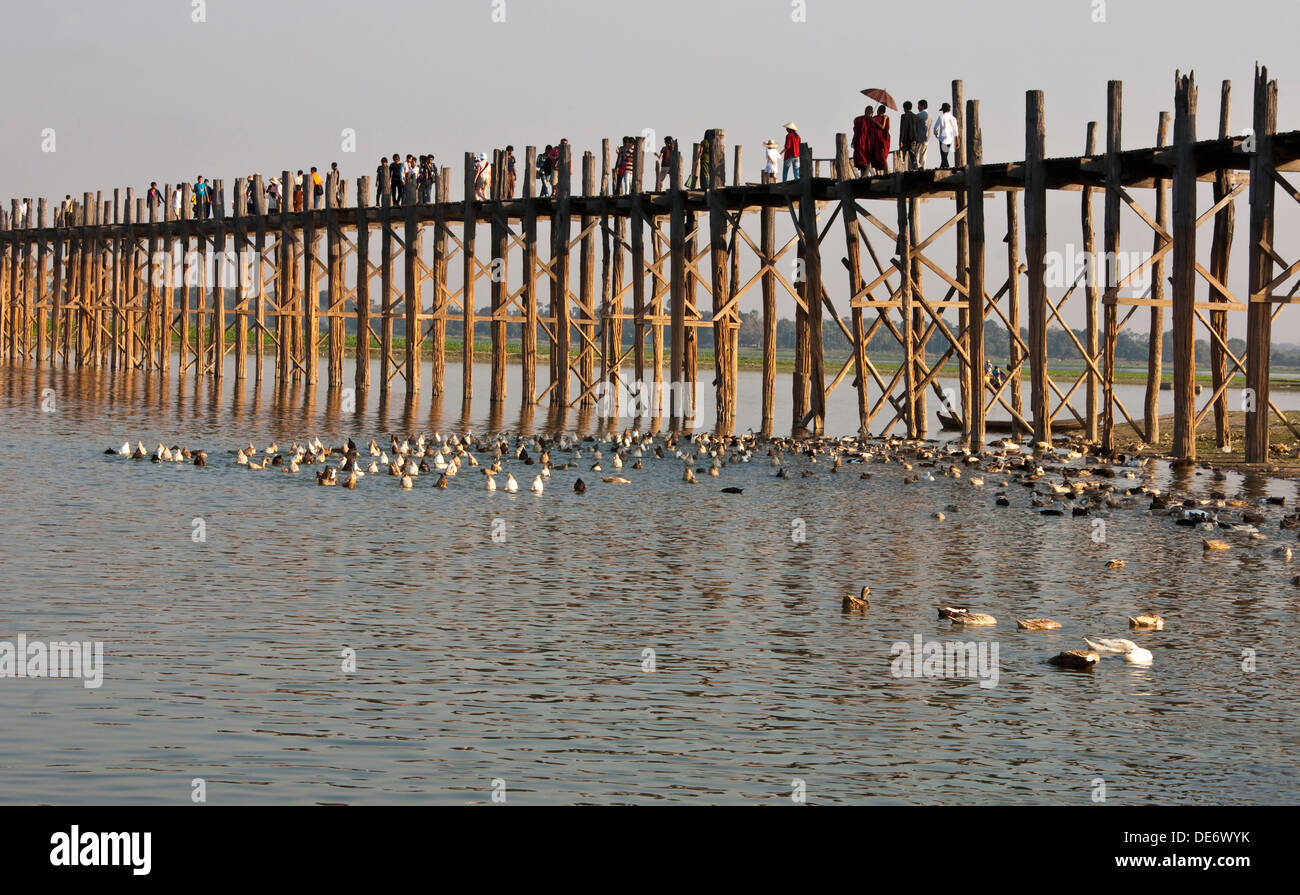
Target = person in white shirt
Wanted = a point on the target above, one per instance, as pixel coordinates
(772, 166)
(945, 129)
(922, 131)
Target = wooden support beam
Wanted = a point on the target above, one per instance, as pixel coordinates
(310, 353)
(361, 374)
(722, 368)
(849, 213)
(284, 287)
(386, 278)
(1184, 268)
(1155, 338)
(500, 283)
(975, 284)
(908, 334)
(1092, 291)
(560, 227)
(1220, 249)
(1259, 317)
(441, 290)
(637, 214)
(587, 285)
(678, 408)
(1035, 252)
(411, 240)
(529, 286)
(470, 274)
(767, 240)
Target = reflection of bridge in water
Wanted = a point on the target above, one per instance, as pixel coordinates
(103, 289)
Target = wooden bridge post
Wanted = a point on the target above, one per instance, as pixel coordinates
(201, 298)
(919, 337)
(677, 291)
(1014, 358)
(239, 215)
(849, 212)
(908, 332)
(1224, 224)
(412, 238)
(767, 244)
(813, 296)
(968, 397)
(259, 295)
(470, 275)
(1111, 224)
(337, 323)
(441, 303)
(286, 255)
(1184, 268)
(385, 281)
(7, 249)
(1155, 340)
(361, 375)
(1259, 321)
(500, 282)
(722, 314)
(587, 283)
(614, 306)
(528, 347)
(975, 282)
(1035, 252)
(560, 226)
(219, 281)
(1091, 290)
(310, 285)
(637, 225)
(166, 296)
(42, 297)
(56, 289)
(91, 285)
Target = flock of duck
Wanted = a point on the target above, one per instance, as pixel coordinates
(1068, 479)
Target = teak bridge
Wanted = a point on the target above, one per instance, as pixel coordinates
(87, 291)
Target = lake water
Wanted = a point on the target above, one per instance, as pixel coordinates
(521, 659)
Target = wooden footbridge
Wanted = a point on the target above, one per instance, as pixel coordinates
(100, 288)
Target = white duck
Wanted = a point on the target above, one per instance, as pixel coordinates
(1118, 646)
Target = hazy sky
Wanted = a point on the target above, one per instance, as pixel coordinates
(136, 90)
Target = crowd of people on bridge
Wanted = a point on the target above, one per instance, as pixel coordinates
(873, 153)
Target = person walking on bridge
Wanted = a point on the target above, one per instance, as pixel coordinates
(791, 151)
(772, 161)
(907, 136)
(945, 129)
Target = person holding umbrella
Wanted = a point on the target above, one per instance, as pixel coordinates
(879, 155)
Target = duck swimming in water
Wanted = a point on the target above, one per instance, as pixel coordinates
(1118, 646)
(851, 603)
(1037, 624)
(959, 616)
(1077, 659)
(1147, 622)
(579, 487)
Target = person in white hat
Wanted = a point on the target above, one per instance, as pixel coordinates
(773, 163)
(791, 151)
(483, 178)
